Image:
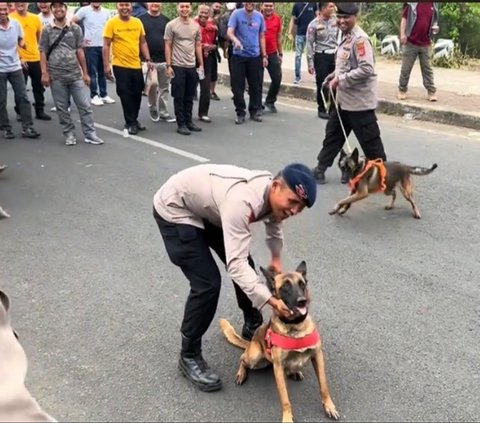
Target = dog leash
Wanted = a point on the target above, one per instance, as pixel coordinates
(327, 106)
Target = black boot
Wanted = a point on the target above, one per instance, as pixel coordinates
(319, 175)
(253, 320)
(195, 368)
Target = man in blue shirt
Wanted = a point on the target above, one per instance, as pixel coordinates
(11, 37)
(246, 31)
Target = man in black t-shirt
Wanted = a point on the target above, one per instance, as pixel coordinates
(157, 84)
(303, 12)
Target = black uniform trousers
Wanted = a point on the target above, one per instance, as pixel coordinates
(274, 69)
(365, 127)
(188, 247)
(251, 69)
(130, 85)
(184, 85)
(209, 63)
(324, 65)
(34, 71)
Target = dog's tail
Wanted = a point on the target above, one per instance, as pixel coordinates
(232, 336)
(416, 170)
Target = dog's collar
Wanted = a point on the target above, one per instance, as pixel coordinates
(273, 339)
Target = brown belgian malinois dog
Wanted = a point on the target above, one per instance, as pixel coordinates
(287, 344)
(370, 176)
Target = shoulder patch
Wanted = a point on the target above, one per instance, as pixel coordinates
(360, 46)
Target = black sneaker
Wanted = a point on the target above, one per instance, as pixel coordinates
(183, 130)
(133, 130)
(194, 128)
(239, 119)
(323, 115)
(30, 132)
(257, 117)
(214, 96)
(8, 134)
(140, 127)
(43, 116)
(271, 107)
(319, 175)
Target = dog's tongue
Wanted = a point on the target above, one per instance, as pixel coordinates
(302, 310)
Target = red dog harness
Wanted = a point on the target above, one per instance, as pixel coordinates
(273, 339)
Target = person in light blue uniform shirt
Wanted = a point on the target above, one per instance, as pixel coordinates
(246, 31)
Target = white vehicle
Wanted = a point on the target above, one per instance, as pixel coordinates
(443, 48)
(390, 45)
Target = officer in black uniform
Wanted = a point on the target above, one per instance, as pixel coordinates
(355, 80)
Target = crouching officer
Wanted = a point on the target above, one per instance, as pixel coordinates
(355, 80)
(210, 207)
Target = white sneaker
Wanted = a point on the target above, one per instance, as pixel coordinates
(96, 101)
(107, 100)
(93, 139)
(54, 109)
(70, 140)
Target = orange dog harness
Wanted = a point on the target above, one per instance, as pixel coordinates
(378, 163)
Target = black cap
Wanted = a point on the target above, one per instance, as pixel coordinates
(58, 2)
(347, 9)
(301, 181)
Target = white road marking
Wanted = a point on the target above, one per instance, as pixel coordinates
(157, 144)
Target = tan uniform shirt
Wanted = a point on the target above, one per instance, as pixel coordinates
(322, 37)
(229, 197)
(16, 403)
(184, 37)
(355, 68)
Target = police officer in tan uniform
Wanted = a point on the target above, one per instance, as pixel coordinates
(322, 36)
(211, 206)
(355, 80)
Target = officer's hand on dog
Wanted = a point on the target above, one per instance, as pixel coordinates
(279, 306)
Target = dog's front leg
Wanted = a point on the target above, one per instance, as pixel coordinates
(280, 380)
(319, 366)
(352, 198)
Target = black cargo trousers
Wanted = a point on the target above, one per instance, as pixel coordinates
(365, 127)
(188, 247)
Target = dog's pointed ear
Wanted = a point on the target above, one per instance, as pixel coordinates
(4, 307)
(302, 269)
(355, 155)
(270, 279)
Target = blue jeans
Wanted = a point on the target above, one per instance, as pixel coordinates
(300, 42)
(94, 58)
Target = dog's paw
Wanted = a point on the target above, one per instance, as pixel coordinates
(241, 377)
(333, 211)
(389, 207)
(416, 215)
(287, 418)
(331, 410)
(342, 211)
(297, 376)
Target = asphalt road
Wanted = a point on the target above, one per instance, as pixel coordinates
(98, 305)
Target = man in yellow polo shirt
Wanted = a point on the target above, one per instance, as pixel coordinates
(125, 36)
(30, 56)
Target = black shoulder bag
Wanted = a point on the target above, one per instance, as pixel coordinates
(57, 41)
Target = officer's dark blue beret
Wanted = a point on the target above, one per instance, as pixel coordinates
(301, 181)
(347, 8)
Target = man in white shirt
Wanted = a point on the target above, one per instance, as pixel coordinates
(94, 17)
